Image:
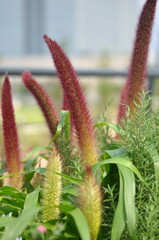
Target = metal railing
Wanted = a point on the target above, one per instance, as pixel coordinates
(152, 74)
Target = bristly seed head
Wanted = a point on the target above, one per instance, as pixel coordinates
(137, 72)
(78, 108)
(11, 143)
(89, 200)
(52, 188)
(43, 100)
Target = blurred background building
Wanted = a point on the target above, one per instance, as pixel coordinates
(82, 27)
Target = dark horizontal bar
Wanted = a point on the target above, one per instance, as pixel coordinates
(80, 72)
(52, 72)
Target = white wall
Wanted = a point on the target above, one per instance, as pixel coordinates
(11, 27)
(82, 26)
(105, 25)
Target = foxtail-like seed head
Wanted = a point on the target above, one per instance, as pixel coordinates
(137, 72)
(10, 135)
(43, 100)
(66, 105)
(52, 188)
(77, 104)
(89, 200)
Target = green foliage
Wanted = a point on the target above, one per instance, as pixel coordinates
(80, 222)
(24, 205)
(127, 171)
(139, 137)
(18, 225)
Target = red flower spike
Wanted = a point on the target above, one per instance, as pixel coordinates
(43, 100)
(65, 103)
(11, 143)
(78, 107)
(137, 73)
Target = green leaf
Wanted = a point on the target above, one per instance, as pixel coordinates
(10, 175)
(73, 180)
(11, 199)
(30, 163)
(125, 212)
(12, 202)
(118, 160)
(119, 219)
(34, 151)
(32, 199)
(155, 157)
(70, 190)
(8, 189)
(40, 170)
(6, 220)
(80, 220)
(8, 208)
(16, 227)
(81, 223)
(110, 125)
(66, 208)
(129, 198)
(28, 178)
(64, 123)
(120, 152)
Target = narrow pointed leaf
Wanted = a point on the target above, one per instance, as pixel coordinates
(155, 157)
(32, 199)
(119, 161)
(15, 229)
(81, 223)
(129, 198)
(119, 219)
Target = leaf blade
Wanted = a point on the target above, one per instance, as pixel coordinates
(119, 219)
(81, 223)
(118, 160)
(14, 229)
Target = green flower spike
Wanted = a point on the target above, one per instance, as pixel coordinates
(52, 188)
(89, 201)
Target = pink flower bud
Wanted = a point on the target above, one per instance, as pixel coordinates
(41, 229)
